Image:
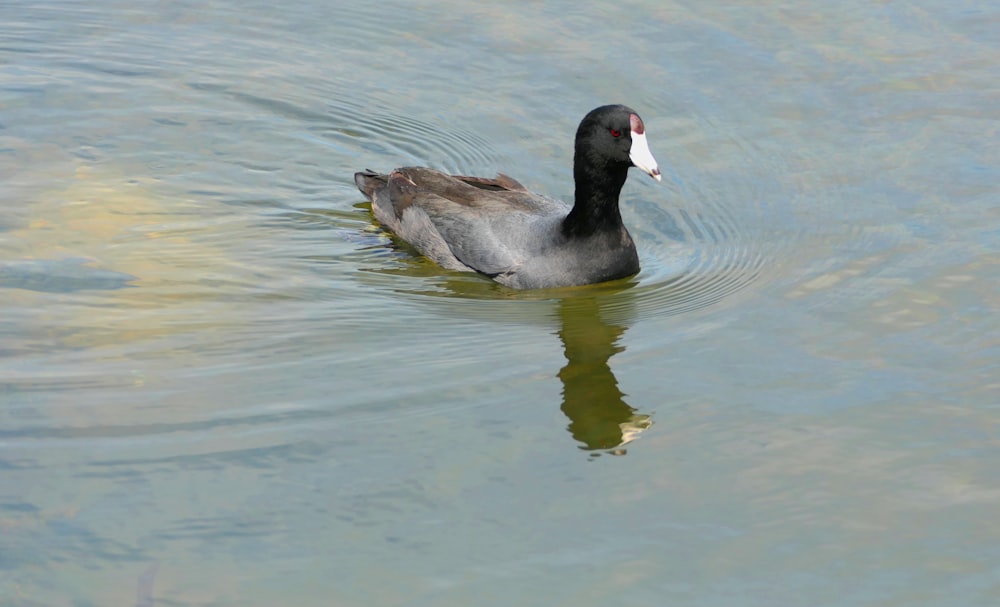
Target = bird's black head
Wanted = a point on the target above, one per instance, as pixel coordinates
(614, 137)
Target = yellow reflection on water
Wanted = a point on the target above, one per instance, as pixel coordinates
(127, 254)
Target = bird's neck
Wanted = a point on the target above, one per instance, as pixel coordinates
(595, 207)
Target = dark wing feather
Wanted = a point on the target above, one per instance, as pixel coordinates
(463, 215)
(484, 224)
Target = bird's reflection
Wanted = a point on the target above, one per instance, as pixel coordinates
(600, 419)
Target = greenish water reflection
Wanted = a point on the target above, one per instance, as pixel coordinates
(599, 416)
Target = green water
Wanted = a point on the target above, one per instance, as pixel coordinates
(222, 384)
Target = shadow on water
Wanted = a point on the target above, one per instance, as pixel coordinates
(600, 419)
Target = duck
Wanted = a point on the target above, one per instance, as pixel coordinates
(518, 238)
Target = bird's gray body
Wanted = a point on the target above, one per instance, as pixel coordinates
(496, 227)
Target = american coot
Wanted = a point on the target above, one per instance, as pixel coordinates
(516, 237)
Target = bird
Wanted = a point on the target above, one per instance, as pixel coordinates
(521, 239)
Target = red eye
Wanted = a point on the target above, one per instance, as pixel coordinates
(616, 133)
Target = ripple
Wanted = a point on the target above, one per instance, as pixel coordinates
(391, 135)
(715, 235)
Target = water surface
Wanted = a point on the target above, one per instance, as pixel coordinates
(222, 383)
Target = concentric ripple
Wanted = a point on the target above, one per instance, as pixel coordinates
(396, 139)
(716, 230)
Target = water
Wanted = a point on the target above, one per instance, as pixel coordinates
(221, 383)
